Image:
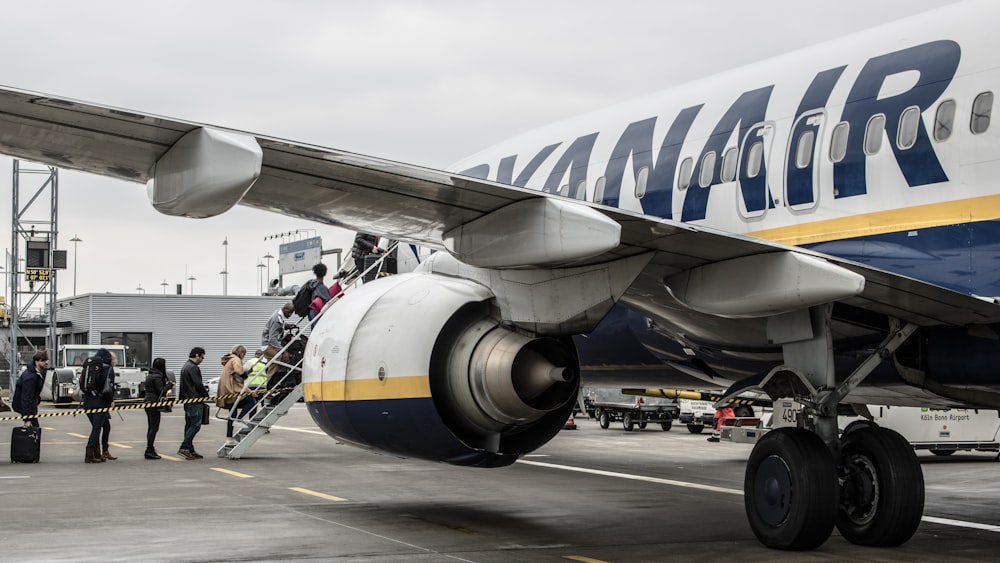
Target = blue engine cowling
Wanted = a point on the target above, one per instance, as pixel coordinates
(416, 365)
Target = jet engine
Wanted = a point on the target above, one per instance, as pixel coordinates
(418, 365)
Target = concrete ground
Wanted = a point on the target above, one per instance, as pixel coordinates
(589, 495)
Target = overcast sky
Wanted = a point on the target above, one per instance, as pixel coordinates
(419, 82)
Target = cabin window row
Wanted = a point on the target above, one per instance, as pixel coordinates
(906, 138)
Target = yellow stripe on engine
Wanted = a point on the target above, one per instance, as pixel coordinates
(984, 208)
(399, 387)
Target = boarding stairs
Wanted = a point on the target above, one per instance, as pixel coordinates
(275, 402)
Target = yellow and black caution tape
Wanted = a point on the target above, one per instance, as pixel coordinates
(133, 406)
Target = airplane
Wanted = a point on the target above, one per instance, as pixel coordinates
(821, 226)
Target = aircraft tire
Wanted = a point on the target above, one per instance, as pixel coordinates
(790, 490)
(857, 425)
(882, 496)
(695, 428)
(627, 422)
(604, 420)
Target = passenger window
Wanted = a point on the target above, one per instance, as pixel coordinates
(707, 169)
(729, 160)
(640, 182)
(754, 159)
(944, 120)
(838, 144)
(599, 189)
(684, 176)
(906, 134)
(982, 108)
(873, 134)
(804, 149)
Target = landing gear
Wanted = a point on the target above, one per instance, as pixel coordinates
(801, 481)
(882, 488)
(790, 490)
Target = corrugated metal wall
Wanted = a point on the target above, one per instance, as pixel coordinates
(177, 322)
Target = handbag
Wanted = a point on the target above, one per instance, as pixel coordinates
(205, 413)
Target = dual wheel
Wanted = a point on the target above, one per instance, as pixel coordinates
(795, 492)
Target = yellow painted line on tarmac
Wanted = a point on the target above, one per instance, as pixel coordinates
(171, 458)
(75, 435)
(315, 494)
(231, 472)
(583, 559)
(119, 445)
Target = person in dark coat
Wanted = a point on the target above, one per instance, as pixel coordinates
(364, 244)
(157, 386)
(29, 393)
(192, 387)
(100, 400)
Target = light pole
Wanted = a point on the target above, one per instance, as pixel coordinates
(74, 240)
(268, 258)
(164, 284)
(191, 284)
(260, 273)
(225, 268)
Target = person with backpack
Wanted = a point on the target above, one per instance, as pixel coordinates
(97, 384)
(28, 391)
(157, 386)
(310, 292)
(192, 387)
(270, 339)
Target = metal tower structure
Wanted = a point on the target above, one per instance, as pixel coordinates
(34, 259)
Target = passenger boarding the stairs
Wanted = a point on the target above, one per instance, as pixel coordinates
(231, 387)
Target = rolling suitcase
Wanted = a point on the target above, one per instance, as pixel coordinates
(25, 444)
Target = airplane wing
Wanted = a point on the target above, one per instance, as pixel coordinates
(418, 205)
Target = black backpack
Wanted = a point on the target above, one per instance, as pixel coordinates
(303, 298)
(91, 382)
(15, 397)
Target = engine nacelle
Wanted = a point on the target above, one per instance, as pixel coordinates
(416, 365)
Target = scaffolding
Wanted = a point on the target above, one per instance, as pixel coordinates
(33, 260)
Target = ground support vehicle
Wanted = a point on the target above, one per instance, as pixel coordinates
(62, 382)
(611, 405)
(696, 414)
(940, 431)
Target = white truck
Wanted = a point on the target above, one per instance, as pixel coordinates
(62, 382)
(940, 431)
(696, 414)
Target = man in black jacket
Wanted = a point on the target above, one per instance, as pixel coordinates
(29, 393)
(192, 387)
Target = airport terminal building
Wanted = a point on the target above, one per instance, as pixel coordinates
(167, 326)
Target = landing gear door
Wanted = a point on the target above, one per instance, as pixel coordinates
(786, 414)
